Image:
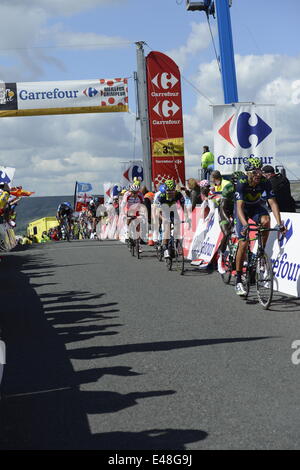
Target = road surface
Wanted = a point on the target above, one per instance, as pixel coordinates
(108, 352)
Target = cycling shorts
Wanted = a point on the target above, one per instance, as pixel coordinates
(254, 212)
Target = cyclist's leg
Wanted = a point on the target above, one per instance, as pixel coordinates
(240, 255)
(165, 236)
(262, 217)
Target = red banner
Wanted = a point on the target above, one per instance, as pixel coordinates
(165, 118)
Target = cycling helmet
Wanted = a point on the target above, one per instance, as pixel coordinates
(162, 188)
(204, 183)
(136, 181)
(134, 187)
(149, 195)
(236, 176)
(253, 163)
(170, 185)
(68, 204)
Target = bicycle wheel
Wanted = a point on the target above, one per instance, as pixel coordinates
(67, 231)
(246, 282)
(137, 248)
(159, 252)
(169, 263)
(132, 247)
(264, 280)
(179, 257)
(226, 277)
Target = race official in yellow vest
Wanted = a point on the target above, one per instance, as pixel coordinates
(207, 161)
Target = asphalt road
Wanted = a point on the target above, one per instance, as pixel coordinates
(109, 352)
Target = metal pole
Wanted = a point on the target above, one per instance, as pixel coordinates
(141, 84)
(226, 52)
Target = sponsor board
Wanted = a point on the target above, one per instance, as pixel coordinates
(131, 170)
(6, 174)
(66, 97)
(242, 131)
(285, 255)
(7, 237)
(206, 240)
(165, 118)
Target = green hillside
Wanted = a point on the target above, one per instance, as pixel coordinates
(32, 208)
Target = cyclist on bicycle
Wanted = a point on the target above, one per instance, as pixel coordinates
(92, 208)
(155, 216)
(249, 190)
(65, 210)
(225, 209)
(132, 204)
(169, 200)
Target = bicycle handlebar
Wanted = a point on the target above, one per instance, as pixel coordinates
(260, 228)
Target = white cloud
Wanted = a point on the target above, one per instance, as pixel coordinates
(61, 7)
(199, 39)
(28, 26)
(267, 79)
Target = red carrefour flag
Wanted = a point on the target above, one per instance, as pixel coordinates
(165, 118)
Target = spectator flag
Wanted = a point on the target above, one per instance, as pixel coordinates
(81, 198)
(20, 192)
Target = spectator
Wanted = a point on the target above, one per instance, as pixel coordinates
(207, 206)
(281, 188)
(207, 162)
(218, 182)
(193, 192)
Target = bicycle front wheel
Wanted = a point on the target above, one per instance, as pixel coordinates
(228, 268)
(179, 257)
(159, 252)
(264, 280)
(137, 248)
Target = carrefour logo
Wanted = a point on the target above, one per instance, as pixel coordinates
(289, 226)
(244, 130)
(4, 178)
(91, 92)
(164, 80)
(166, 108)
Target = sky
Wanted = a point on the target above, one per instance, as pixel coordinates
(54, 40)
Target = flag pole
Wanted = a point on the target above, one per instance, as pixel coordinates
(75, 196)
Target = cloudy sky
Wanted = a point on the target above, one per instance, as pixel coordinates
(49, 40)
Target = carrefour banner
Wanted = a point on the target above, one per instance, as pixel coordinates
(165, 118)
(67, 97)
(130, 171)
(285, 255)
(6, 174)
(206, 240)
(242, 131)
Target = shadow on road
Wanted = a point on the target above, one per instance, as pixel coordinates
(42, 406)
(111, 351)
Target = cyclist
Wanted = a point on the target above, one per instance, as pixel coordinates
(248, 204)
(65, 210)
(92, 208)
(132, 204)
(169, 200)
(225, 209)
(155, 213)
